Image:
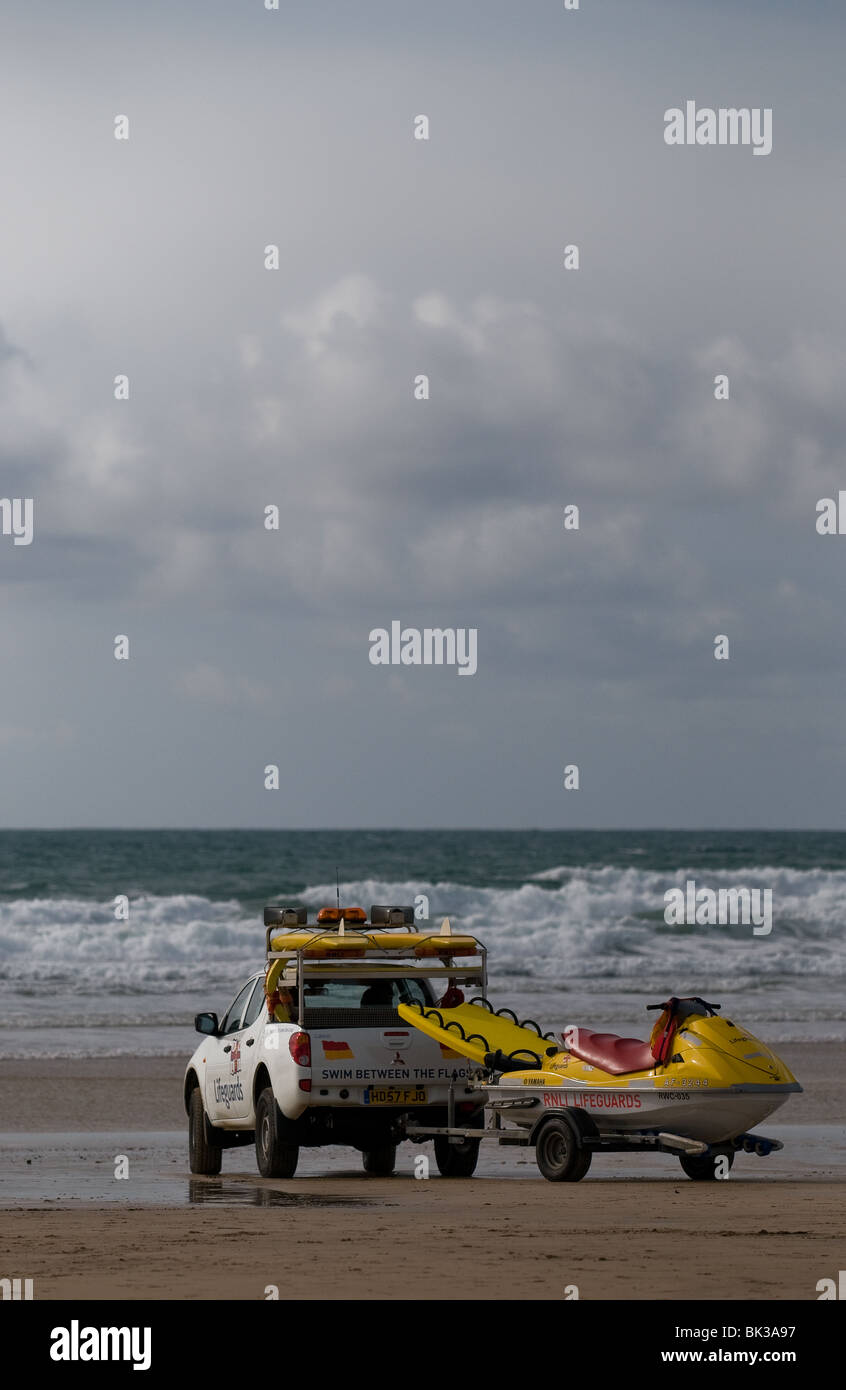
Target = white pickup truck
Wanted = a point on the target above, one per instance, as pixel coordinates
(313, 1052)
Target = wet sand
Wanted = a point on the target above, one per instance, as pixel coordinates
(628, 1231)
(487, 1238)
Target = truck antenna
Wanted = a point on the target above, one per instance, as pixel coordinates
(337, 888)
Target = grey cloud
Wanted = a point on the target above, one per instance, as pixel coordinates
(294, 388)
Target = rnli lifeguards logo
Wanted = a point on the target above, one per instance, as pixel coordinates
(235, 1059)
(599, 1100)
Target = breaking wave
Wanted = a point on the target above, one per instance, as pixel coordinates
(596, 924)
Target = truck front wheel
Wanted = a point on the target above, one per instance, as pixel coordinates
(276, 1156)
(203, 1157)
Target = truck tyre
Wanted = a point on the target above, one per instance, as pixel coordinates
(459, 1160)
(276, 1156)
(203, 1156)
(559, 1151)
(456, 1160)
(380, 1162)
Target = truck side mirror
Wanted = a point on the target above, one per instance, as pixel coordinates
(206, 1023)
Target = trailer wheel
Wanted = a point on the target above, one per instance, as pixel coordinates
(702, 1167)
(560, 1153)
(203, 1157)
(380, 1162)
(276, 1157)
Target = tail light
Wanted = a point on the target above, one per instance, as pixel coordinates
(299, 1046)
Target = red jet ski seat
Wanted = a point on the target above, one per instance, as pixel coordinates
(610, 1052)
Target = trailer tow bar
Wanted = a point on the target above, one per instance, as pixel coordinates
(453, 1139)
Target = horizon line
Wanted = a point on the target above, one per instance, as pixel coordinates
(420, 830)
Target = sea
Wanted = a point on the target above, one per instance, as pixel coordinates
(573, 921)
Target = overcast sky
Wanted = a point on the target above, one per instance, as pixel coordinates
(251, 387)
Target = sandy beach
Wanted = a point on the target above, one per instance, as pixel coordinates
(494, 1239)
(625, 1232)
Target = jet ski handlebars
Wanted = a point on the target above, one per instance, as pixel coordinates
(673, 1004)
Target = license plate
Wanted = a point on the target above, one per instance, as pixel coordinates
(395, 1095)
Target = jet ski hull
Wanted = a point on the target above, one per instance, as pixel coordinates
(713, 1115)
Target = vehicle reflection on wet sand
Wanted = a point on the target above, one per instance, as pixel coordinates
(244, 1192)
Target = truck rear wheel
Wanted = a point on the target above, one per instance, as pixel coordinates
(380, 1162)
(456, 1160)
(203, 1157)
(276, 1156)
(459, 1160)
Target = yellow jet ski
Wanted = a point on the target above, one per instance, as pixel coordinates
(695, 1088)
